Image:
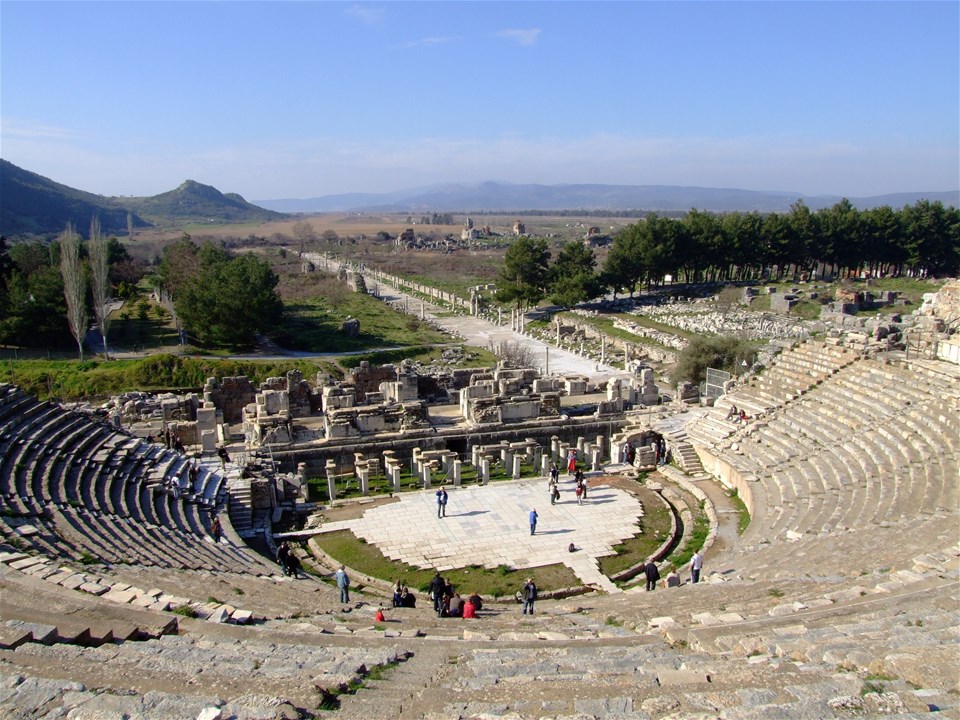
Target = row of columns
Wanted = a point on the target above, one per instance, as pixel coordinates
(426, 464)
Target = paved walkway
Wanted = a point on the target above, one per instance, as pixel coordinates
(489, 526)
(478, 332)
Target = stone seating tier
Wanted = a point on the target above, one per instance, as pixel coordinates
(109, 493)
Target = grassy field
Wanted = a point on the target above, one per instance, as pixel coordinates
(346, 548)
(75, 380)
(653, 531)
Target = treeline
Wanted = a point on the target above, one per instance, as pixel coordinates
(919, 240)
(33, 308)
(221, 300)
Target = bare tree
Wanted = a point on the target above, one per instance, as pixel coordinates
(74, 285)
(514, 354)
(100, 277)
(304, 233)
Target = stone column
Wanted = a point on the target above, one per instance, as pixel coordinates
(394, 472)
(537, 454)
(516, 466)
(426, 475)
(545, 465)
(455, 472)
(546, 360)
(485, 470)
(603, 349)
(423, 311)
(363, 475)
(581, 447)
(564, 453)
(499, 316)
(554, 446)
(595, 458)
(331, 469)
(601, 443)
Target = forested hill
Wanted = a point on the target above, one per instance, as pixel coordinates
(199, 203)
(32, 205)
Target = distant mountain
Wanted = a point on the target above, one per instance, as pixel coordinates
(31, 204)
(200, 203)
(492, 196)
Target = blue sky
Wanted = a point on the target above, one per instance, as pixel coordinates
(300, 99)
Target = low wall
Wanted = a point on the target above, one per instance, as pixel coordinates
(729, 476)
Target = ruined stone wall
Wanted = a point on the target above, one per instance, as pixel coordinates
(367, 380)
(230, 395)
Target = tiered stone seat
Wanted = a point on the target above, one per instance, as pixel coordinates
(108, 493)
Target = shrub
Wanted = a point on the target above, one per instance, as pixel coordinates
(720, 352)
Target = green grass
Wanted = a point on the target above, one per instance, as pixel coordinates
(604, 323)
(743, 515)
(654, 529)
(73, 380)
(695, 539)
(314, 324)
(346, 548)
(185, 611)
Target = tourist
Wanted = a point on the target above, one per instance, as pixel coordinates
(673, 578)
(293, 562)
(571, 548)
(554, 472)
(653, 575)
(476, 601)
(469, 609)
(178, 446)
(696, 565)
(437, 586)
(379, 616)
(529, 593)
(579, 492)
(224, 457)
(455, 606)
(733, 413)
(216, 529)
(194, 474)
(343, 582)
(397, 594)
(441, 503)
(407, 598)
(553, 491)
(533, 521)
(283, 557)
(572, 462)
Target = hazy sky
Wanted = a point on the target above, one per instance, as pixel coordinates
(299, 99)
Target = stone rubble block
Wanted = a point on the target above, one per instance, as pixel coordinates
(220, 615)
(46, 634)
(241, 617)
(706, 618)
(8, 557)
(43, 571)
(26, 562)
(668, 676)
(120, 596)
(95, 588)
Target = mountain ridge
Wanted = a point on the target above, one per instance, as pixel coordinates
(492, 196)
(34, 205)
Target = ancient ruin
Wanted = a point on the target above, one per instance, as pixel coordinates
(129, 570)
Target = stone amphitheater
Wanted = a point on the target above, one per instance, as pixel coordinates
(840, 599)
